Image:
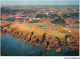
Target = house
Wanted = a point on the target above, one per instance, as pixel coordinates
(30, 19)
(38, 18)
(27, 17)
(27, 20)
(17, 16)
(44, 17)
(34, 18)
(16, 20)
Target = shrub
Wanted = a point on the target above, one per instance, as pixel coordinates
(41, 15)
(34, 21)
(58, 21)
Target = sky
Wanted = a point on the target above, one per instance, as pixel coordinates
(40, 2)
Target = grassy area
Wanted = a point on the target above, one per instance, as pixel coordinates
(10, 19)
(34, 21)
(58, 21)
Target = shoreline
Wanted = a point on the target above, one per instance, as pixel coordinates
(50, 39)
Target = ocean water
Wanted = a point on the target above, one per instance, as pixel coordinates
(11, 46)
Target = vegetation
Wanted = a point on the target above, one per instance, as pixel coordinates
(58, 21)
(5, 10)
(70, 15)
(53, 15)
(41, 15)
(64, 15)
(34, 21)
(0, 18)
(10, 19)
(74, 14)
(77, 22)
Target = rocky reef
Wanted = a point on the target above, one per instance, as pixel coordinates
(49, 37)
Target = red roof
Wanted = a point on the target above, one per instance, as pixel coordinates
(17, 16)
(20, 16)
(33, 17)
(27, 20)
(17, 20)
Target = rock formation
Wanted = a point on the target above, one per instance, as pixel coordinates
(50, 37)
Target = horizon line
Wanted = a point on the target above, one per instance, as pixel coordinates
(25, 4)
(40, 3)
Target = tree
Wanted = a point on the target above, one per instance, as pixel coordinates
(34, 21)
(5, 10)
(74, 14)
(58, 21)
(53, 15)
(10, 19)
(41, 15)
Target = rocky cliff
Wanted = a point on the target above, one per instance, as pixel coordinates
(50, 37)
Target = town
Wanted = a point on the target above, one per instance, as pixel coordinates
(37, 13)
